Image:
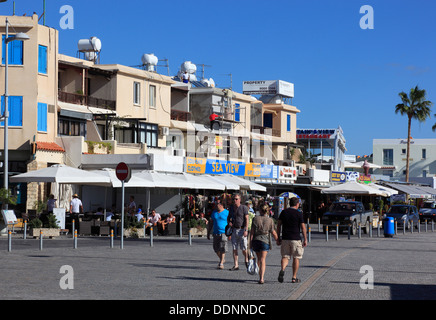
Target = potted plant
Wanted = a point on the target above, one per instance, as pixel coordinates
(197, 227)
(49, 227)
(133, 228)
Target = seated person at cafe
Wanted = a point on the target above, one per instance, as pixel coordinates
(170, 219)
(154, 219)
(139, 214)
(110, 213)
(99, 211)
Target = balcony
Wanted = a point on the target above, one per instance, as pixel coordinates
(180, 115)
(266, 130)
(81, 99)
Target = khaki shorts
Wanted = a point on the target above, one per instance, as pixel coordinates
(220, 243)
(292, 248)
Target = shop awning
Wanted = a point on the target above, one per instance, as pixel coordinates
(413, 191)
(353, 188)
(241, 182)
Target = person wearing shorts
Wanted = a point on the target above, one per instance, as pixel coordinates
(238, 219)
(290, 224)
(261, 230)
(218, 223)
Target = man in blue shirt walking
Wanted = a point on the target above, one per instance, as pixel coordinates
(217, 225)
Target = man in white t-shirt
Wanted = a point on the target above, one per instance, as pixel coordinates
(76, 206)
(154, 218)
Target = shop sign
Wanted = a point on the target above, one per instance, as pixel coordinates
(269, 171)
(365, 179)
(213, 166)
(315, 133)
(287, 173)
(338, 176)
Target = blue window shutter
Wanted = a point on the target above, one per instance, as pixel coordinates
(237, 112)
(42, 117)
(15, 54)
(15, 110)
(42, 59)
(288, 124)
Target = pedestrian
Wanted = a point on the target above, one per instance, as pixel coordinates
(76, 206)
(261, 230)
(290, 224)
(131, 209)
(217, 224)
(238, 220)
(51, 203)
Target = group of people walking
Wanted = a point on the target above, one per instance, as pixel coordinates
(257, 235)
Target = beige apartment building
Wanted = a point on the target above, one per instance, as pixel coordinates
(84, 114)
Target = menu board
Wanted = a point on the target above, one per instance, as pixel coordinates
(9, 217)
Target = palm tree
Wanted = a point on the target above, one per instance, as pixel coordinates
(415, 107)
(434, 126)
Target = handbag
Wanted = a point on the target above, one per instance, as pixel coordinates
(228, 230)
(252, 268)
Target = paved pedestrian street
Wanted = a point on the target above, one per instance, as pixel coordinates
(399, 268)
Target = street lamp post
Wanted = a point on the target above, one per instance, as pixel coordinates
(5, 117)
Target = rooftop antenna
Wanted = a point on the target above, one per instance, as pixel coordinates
(202, 69)
(231, 79)
(166, 65)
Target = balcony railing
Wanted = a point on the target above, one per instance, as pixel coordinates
(266, 130)
(180, 115)
(81, 99)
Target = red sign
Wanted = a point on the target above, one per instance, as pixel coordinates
(313, 136)
(122, 172)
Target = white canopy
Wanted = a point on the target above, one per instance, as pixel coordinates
(161, 180)
(241, 182)
(134, 181)
(62, 174)
(386, 190)
(203, 182)
(354, 188)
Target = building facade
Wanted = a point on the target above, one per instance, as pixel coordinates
(390, 154)
(75, 111)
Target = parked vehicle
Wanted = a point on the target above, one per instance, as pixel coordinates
(404, 214)
(345, 213)
(428, 211)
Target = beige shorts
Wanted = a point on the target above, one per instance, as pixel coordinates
(292, 248)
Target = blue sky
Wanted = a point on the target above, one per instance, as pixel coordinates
(343, 75)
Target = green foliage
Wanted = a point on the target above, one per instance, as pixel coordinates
(35, 223)
(199, 224)
(7, 197)
(132, 222)
(381, 205)
(92, 144)
(50, 223)
(40, 206)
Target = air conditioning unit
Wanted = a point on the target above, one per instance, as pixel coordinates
(164, 131)
(179, 152)
(300, 170)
